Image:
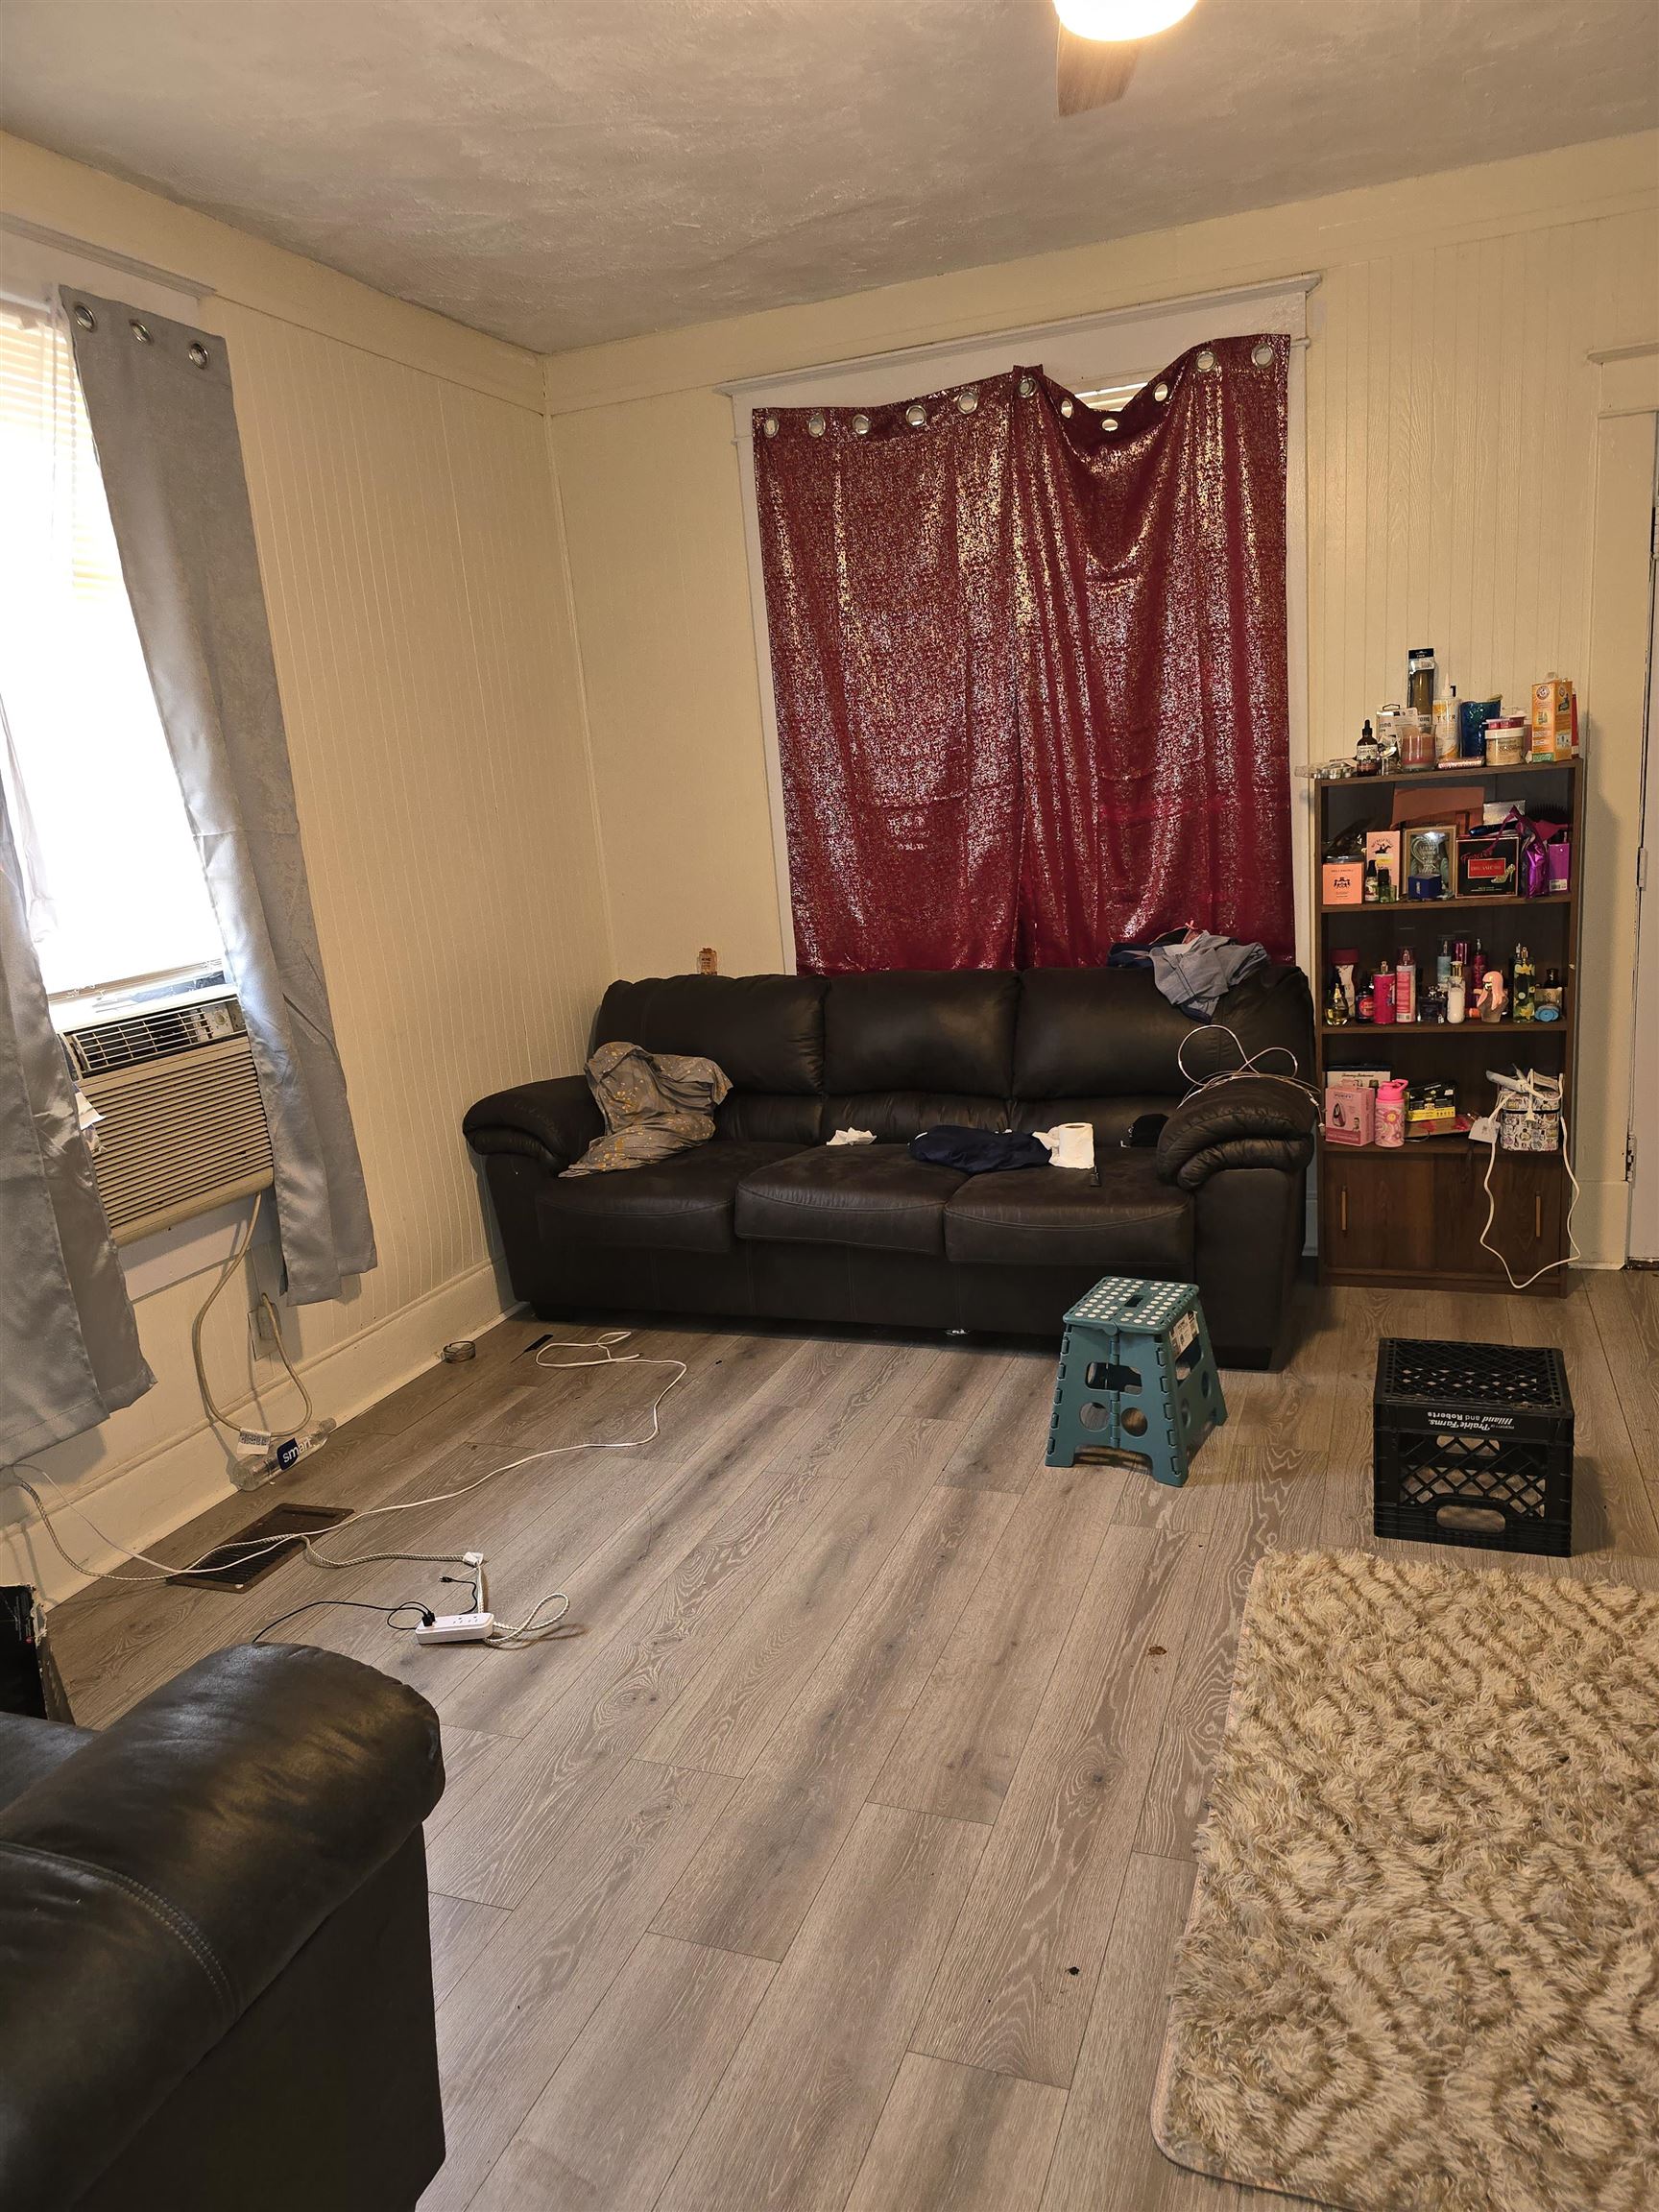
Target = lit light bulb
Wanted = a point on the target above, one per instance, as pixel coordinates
(1118, 19)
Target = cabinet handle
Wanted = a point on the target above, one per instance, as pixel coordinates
(1537, 1215)
(1343, 1210)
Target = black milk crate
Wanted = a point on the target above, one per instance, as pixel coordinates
(1472, 1445)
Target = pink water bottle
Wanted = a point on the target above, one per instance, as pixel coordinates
(1391, 1111)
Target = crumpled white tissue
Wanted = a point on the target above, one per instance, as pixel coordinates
(853, 1136)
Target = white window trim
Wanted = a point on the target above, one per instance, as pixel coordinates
(1087, 352)
(33, 262)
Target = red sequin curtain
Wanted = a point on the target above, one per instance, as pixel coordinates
(1029, 664)
(890, 602)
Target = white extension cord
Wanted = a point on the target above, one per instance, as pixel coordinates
(500, 1636)
(258, 1453)
(1572, 1252)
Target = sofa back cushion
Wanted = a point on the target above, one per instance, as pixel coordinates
(1110, 1117)
(895, 1116)
(765, 1031)
(1102, 1033)
(946, 1035)
(770, 1117)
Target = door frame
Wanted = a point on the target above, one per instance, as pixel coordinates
(1643, 1152)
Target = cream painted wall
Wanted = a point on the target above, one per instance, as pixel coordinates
(414, 571)
(1453, 459)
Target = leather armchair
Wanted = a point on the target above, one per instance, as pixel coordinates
(216, 1967)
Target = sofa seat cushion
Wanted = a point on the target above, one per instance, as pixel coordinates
(1056, 1217)
(873, 1195)
(679, 1205)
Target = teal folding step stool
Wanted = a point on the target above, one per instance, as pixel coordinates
(1137, 1375)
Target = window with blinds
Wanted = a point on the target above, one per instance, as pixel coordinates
(114, 883)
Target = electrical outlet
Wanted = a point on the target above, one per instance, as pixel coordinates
(261, 1329)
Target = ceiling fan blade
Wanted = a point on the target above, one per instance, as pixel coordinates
(1091, 72)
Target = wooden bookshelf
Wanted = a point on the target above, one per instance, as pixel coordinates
(1410, 1218)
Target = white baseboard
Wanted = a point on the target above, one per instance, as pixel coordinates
(147, 1499)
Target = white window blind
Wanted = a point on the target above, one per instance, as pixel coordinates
(113, 880)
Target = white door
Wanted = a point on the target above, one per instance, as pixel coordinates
(1644, 1057)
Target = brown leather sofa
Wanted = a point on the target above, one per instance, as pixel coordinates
(216, 1967)
(766, 1220)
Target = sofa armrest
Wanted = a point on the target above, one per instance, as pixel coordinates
(553, 1122)
(1252, 1122)
(152, 1886)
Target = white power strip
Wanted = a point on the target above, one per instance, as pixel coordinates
(456, 1628)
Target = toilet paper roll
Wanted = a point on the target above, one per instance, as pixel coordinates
(1070, 1144)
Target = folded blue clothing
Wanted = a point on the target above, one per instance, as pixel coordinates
(977, 1151)
(1195, 973)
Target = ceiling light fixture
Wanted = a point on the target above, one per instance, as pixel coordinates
(1100, 43)
(1120, 19)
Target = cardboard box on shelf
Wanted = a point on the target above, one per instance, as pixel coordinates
(1350, 1113)
(1555, 732)
(1382, 853)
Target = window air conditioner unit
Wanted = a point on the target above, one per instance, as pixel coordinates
(182, 1126)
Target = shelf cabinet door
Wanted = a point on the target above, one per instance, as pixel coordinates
(1418, 1219)
(1528, 1212)
(1376, 1213)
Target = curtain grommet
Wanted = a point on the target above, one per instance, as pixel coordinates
(1205, 358)
(85, 317)
(1160, 391)
(769, 426)
(140, 331)
(1262, 354)
(816, 425)
(1027, 385)
(861, 426)
(1108, 421)
(967, 402)
(1066, 408)
(198, 353)
(916, 415)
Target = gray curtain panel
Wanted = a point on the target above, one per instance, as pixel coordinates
(164, 423)
(69, 1353)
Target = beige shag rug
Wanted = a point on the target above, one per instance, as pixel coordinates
(1420, 1972)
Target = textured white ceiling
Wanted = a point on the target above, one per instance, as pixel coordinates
(564, 171)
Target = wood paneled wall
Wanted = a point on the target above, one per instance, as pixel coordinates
(1451, 415)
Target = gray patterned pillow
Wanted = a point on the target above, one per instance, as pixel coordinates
(655, 1104)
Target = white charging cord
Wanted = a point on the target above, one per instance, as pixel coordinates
(529, 1630)
(1249, 1063)
(219, 1418)
(1572, 1252)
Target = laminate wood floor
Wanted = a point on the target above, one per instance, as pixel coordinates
(838, 1859)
